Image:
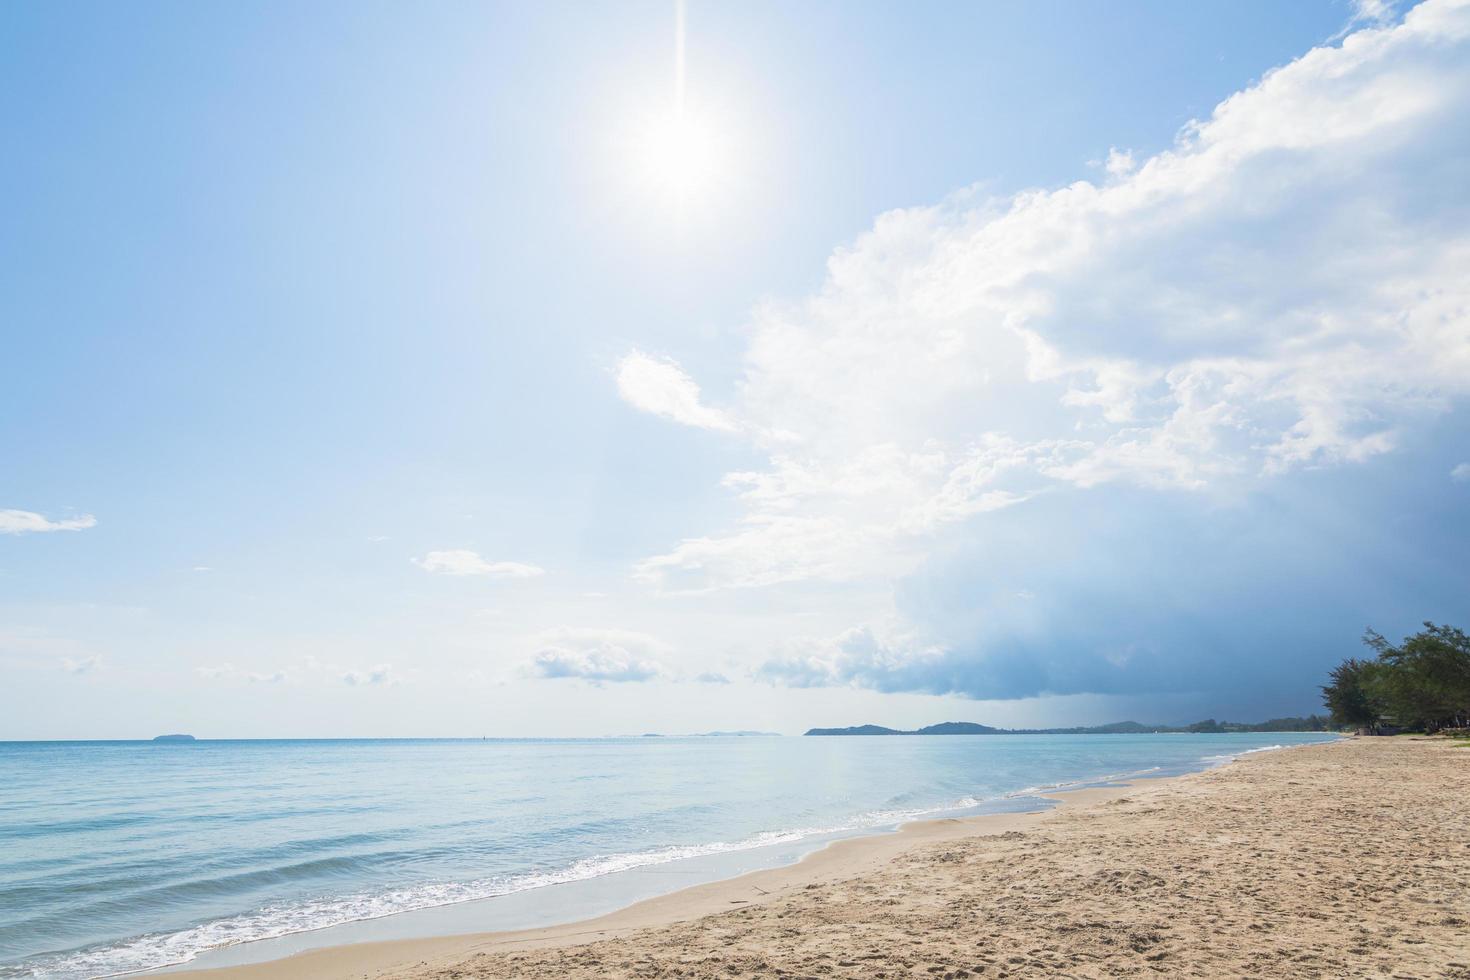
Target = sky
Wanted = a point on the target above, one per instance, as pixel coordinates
(460, 369)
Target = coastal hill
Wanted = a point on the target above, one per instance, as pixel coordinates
(1311, 723)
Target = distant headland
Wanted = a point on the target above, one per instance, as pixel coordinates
(173, 738)
(1311, 723)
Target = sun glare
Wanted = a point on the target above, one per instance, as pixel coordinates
(681, 158)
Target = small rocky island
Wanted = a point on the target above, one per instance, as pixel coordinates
(173, 738)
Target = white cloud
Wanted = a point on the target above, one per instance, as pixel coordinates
(83, 665)
(859, 657)
(229, 672)
(598, 655)
(27, 522)
(770, 549)
(711, 677)
(1282, 289)
(1119, 162)
(1371, 13)
(463, 562)
(1461, 473)
(376, 675)
(661, 387)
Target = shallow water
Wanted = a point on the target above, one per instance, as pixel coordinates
(118, 856)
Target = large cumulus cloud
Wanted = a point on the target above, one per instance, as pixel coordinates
(1168, 349)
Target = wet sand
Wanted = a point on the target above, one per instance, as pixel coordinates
(1349, 859)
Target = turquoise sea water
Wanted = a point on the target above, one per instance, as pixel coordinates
(120, 856)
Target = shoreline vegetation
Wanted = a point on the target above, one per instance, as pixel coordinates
(1242, 870)
(1311, 723)
(1423, 684)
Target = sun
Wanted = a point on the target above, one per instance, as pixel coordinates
(681, 158)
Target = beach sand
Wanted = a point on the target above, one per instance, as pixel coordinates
(1349, 859)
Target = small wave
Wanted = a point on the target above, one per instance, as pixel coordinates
(89, 825)
(158, 950)
(271, 922)
(1225, 757)
(1114, 777)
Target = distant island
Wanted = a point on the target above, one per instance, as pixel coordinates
(173, 738)
(1311, 723)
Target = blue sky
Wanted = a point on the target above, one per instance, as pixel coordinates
(376, 370)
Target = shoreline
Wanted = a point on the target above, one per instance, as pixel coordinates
(578, 900)
(563, 903)
(828, 861)
(1343, 859)
(456, 859)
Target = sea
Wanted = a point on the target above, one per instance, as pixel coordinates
(118, 857)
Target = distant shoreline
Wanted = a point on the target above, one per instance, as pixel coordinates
(1310, 725)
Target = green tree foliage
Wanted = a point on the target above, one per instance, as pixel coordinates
(1311, 723)
(1347, 695)
(1423, 683)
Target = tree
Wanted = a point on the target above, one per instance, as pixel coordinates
(1424, 682)
(1349, 697)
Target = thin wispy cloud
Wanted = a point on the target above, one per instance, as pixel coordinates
(378, 675)
(82, 665)
(229, 672)
(465, 562)
(711, 678)
(310, 670)
(1367, 13)
(659, 386)
(29, 522)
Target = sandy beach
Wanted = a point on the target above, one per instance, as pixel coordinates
(1337, 860)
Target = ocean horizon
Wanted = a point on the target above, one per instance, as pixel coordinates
(123, 856)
